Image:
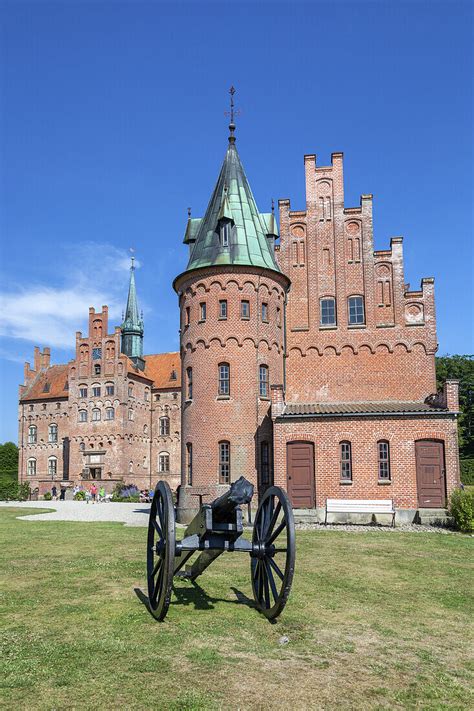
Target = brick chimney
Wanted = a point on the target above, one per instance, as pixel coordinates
(451, 395)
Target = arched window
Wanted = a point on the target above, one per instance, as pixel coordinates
(96, 390)
(383, 448)
(52, 467)
(31, 467)
(224, 379)
(224, 462)
(147, 395)
(83, 391)
(110, 413)
(96, 369)
(346, 461)
(356, 310)
(263, 380)
(189, 374)
(224, 232)
(109, 389)
(130, 468)
(95, 414)
(163, 462)
(164, 426)
(53, 433)
(328, 311)
(130, 390)
(32, 434)
(145, 429)
(82, 416)
(131, 414)
(82, 446)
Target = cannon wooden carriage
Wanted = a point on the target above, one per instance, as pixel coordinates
(218, 528)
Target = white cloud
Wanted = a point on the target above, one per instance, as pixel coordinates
(45, 314)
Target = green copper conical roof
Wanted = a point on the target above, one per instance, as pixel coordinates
(233, 202)
(132, 326)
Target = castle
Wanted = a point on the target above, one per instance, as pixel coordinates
(305, 361)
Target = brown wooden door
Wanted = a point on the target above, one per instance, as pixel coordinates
(430, 475)
(300, 474)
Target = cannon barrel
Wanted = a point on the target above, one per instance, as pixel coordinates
(240, 492)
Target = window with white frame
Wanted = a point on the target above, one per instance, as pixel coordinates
(31, 467)
(265, 312)
(53, 432)
(224, 462)
(383, 448)
(52, 467)
(96, 391)
(328, 311)
(83, 391)
(109, 413)
(131, 414)
(163, 462)
(164, 426)
(224, 379)
(245, 309)
(109, 389)
(202, 311)
(95, 414)
(356, 310)
(32, 434)
(82, 416)
(223, 309)
(345, 461)
(263, 380)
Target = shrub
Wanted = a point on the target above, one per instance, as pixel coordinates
(126, 492)
(24, 491)
(47, 496)
(467, 471)
(461, 508)
(80, 496)
(11, 490)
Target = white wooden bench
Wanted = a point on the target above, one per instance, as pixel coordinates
(373, 506)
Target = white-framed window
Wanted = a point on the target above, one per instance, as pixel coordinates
(346, 460)
(189, 373)
(224, 379)
(52, 467)
(264, 312)
(328, 311)
(356, 310)
(82, 416)
(224, 462)
(31, 467)
(95, 414)
(109, 413)
(147, 395)
(109, 389)
(131, 414)
(32, 434)
(223, 309)
(245, 309)
(202, 311)
(82, 391)
(164, 426)
(383, 448)
(189, 464)
(163, 462)
(225, 232)
(96, 391)
(53, 432)
(263, 380)
(130, 390)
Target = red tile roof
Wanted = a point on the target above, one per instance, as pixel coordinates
(48, 384)
(159, 368)
(294, 409)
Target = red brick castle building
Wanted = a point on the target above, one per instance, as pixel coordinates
(305, 360)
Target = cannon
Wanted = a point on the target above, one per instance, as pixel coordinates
(217, 528)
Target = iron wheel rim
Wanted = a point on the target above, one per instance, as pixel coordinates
(161, 542)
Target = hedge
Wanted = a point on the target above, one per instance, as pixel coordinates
(467, 471)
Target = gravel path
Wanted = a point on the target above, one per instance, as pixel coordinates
(129, 514)
(137, 515)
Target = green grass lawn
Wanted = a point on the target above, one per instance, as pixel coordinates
(374, 621)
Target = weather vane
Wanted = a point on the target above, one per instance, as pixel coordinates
(232, 113)
(132, 251)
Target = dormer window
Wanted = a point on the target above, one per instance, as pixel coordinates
(224, 232)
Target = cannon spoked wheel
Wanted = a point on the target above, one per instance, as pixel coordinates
(273, 558)
(161, 550)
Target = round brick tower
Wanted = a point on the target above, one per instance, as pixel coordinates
(232, 302)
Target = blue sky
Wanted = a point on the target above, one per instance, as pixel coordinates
(113, 123)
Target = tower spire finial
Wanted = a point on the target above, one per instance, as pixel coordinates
(132, 258)
(232, 113)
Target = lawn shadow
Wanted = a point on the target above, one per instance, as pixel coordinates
(195, 595)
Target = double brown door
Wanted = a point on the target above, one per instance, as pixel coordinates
(300, 474)
(430, 474)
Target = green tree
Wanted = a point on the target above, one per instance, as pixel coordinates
(8, 457)
(461, 367)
